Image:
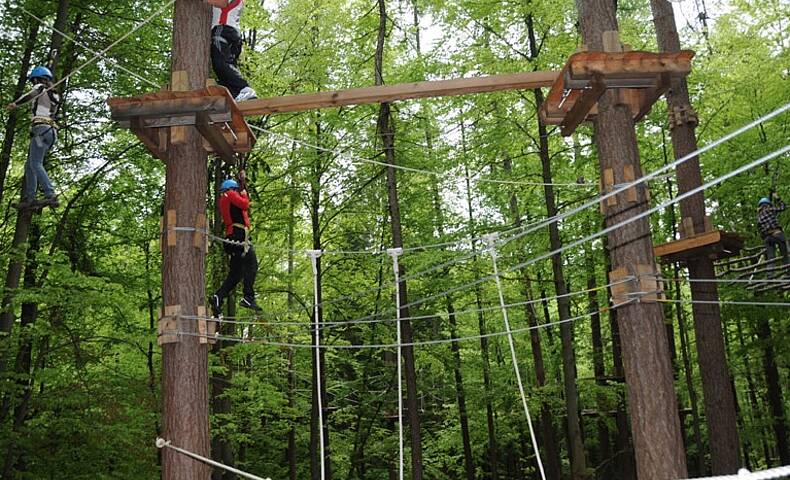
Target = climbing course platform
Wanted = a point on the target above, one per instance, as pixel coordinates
(161, 118)
(640, 78)
(714, 244)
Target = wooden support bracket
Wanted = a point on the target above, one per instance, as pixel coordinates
(213, 134)
(171, 225)
(153, 141)
(682, 115)
(200, 240)
(169, 324)
(179, 83)
(583, 105)
(207, 328)
(607, 185)
(638, 281)
(628, 177)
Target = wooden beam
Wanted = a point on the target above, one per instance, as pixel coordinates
(150, 139)
(403, 91)
(215, 138)
(175, 107)
(582, 107)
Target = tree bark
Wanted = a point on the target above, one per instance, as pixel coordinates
(11, 123)
(387, 134)
(775, 400)
(185, 363)
(718, 397)
(658, 444)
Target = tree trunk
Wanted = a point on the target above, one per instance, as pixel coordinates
(754, 403)
(658, 444)
(10, 129)
(291, 449)
(775, 401)
(599, 367)
(387, 134)
(316, 186)
(493, 444)
(717, 391)
(185, 363)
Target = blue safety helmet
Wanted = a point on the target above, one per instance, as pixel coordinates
(763, 201)
(228, 184)
(41, 72)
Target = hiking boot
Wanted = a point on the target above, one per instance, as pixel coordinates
(48, 202)
(216, 306)
(246, 93)
(25, 203)
(249, 302)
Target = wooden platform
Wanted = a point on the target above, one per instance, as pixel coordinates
(154, 117)
(715, 245)
(641, 77)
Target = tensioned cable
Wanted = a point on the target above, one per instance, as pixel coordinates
(314, 255)
(395, 253)
(726, 302)
(722, 280)
(421, 343)
(113, 44)
(88, 48)
(621, 224)
(743, 474)
(162, 443)
(412, 169)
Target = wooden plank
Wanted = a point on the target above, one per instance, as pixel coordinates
(403, 91)
(627, 65)
(172, 107)
(168, 327)
(178, 121)
(688, 243)
(171, 225)
(151, 140)
(215, 138)
(582, 107)
(608, 186)
(628, 177)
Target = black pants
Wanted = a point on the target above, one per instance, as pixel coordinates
(243, 268)
(225, 51)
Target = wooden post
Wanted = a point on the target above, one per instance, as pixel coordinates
(185, 362)
(719, 399)
(658, 445)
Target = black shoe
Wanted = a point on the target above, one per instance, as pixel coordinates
(49, 201)
(249, 302)
(24, 204)
(216, 306)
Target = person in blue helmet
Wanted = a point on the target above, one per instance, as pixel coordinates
(43, 133)
(233, 207)
(769, 227)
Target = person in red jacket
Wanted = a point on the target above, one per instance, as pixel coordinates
(233, 205)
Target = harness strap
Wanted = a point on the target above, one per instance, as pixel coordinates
(246, 236)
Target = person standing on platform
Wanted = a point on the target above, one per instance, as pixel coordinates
(226, 47)
(770, 229)
(43, 132)
(233, 205)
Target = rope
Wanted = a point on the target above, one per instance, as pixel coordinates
(314, 255)
(162, 443)
(635, 298)
(492, 251)
(358, 159)
(743, 474)
(727, 302)
(88, 48)
(395, 253)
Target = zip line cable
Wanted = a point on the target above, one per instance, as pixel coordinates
(88, 48)
(743, 474)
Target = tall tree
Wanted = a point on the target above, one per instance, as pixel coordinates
(719, 399)
(658, 443)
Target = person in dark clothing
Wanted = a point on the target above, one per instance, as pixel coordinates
(226, 47)
(43, 133)
(233, 205)
(770, 229)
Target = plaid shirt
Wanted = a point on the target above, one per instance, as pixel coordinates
(768, 218)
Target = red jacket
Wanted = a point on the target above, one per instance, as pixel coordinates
(233, 208)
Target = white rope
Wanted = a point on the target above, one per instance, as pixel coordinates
(395, 253)
(88, 48)
(162, 443)
(727, 302)
(314, 255)
(743, 474)
(491, 240)
(113, 44)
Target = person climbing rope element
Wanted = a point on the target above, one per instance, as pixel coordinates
(43, 133)
(226, 47)
(769, 227)
(233, 205)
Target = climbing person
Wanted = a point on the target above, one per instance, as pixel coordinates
(43, 133)
(233, 204)
(226, 47)
(769, 227)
